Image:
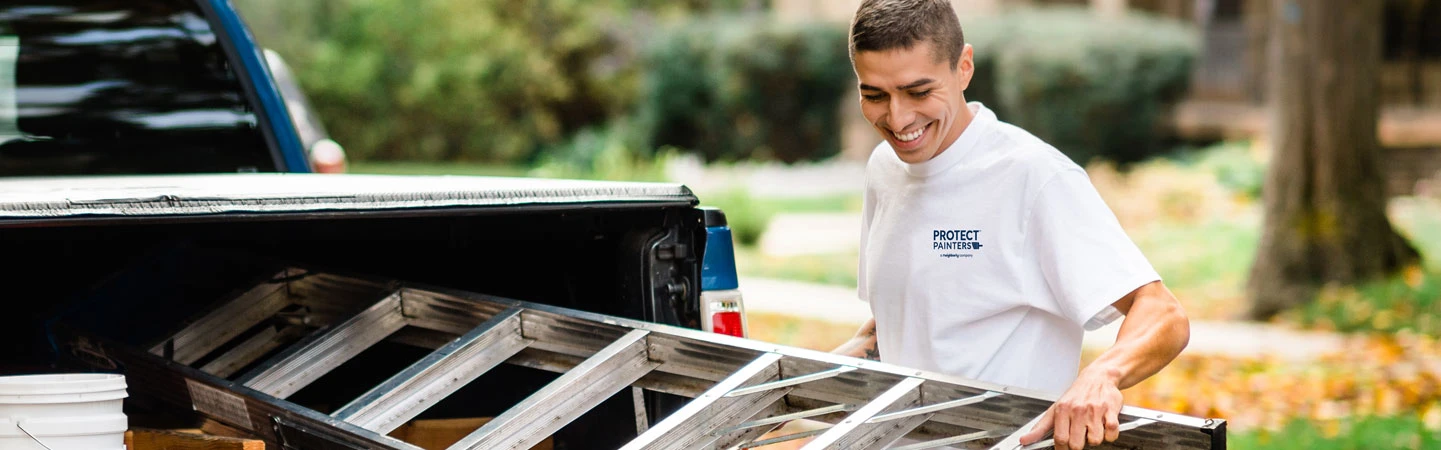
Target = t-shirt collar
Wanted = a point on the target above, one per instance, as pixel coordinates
(970, 137)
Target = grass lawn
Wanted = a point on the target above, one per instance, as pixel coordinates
(1379, 433)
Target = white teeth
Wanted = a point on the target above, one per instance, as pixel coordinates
(911, 136)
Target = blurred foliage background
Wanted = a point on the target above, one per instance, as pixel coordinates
(753, 113)
(1092, 88)
(570, 83)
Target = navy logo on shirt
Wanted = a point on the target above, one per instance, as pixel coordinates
(956, 243)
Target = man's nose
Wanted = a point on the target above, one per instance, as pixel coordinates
(898, 115)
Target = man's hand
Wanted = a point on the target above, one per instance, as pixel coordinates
(1155, 330)
(863, 345)
(1087, 414)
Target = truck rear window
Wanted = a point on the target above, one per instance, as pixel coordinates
(120, 87)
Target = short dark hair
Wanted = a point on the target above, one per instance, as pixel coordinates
(882, 25)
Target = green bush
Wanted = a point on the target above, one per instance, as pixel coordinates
(745, 87)
(1410, 301)
(607, 152)
(745, 214)
(493, 81)
(1235, 168)
(1092, 87)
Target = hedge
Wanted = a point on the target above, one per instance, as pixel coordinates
(1091, 86)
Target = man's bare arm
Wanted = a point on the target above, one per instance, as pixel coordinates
(1153, 333)
(863, 345)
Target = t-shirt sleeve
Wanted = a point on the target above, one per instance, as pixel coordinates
(1087, 259)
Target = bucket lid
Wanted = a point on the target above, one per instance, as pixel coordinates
(65, 383)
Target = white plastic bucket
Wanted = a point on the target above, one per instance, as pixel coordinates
(81, 411)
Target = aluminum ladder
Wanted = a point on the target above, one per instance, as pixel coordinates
(237, 362)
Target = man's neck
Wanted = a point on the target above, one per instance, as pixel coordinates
(963, 121)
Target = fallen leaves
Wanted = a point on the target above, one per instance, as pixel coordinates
(1371, 376)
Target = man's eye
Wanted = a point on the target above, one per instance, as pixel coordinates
(874, 97)
(921, 93)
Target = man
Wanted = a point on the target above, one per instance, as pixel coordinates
(985, 252)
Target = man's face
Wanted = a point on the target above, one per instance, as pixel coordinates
(914, 99)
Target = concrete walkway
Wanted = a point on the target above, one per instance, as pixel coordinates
(1235, 339)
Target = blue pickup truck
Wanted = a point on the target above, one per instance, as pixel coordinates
(151, 154)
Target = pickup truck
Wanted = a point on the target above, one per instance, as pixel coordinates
(151, 161)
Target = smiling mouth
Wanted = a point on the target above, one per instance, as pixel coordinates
(912, 136)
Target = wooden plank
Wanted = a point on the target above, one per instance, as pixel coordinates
(440, 434)
(147, 439)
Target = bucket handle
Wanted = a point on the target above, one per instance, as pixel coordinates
(21, 426)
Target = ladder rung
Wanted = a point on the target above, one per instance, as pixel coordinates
(952, 440)
(557, 404)
(691, 424)
(226, 322)
(786, 438)
(790, 381)
(906, 391)
(1128, 426)
(1013, 441)
(269, 338)
(449, 368)
(934, 408)
(788, 417)
(304, 363)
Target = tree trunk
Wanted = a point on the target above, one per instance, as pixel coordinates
(1257, 17)
(1324, 195)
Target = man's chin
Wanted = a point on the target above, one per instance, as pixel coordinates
(912, 156)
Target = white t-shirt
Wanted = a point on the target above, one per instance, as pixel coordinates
(989, 260)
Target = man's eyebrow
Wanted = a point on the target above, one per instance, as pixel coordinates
(917, 83)
(912, 85)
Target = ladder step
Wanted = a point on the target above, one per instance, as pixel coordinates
(269, 338)
(304, 363)
(952, 440)
(790, 381)
(934, 408)
(449, 368)
(851, 431)
(690, 426)
(1013, 441)
(788, 417)
(226, 322)
(557, 404)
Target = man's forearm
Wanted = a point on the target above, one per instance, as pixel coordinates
(1153, 333)
(863, 344)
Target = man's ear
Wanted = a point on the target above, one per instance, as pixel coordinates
(966, 67)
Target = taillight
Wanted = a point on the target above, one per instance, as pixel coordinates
(723, 312)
